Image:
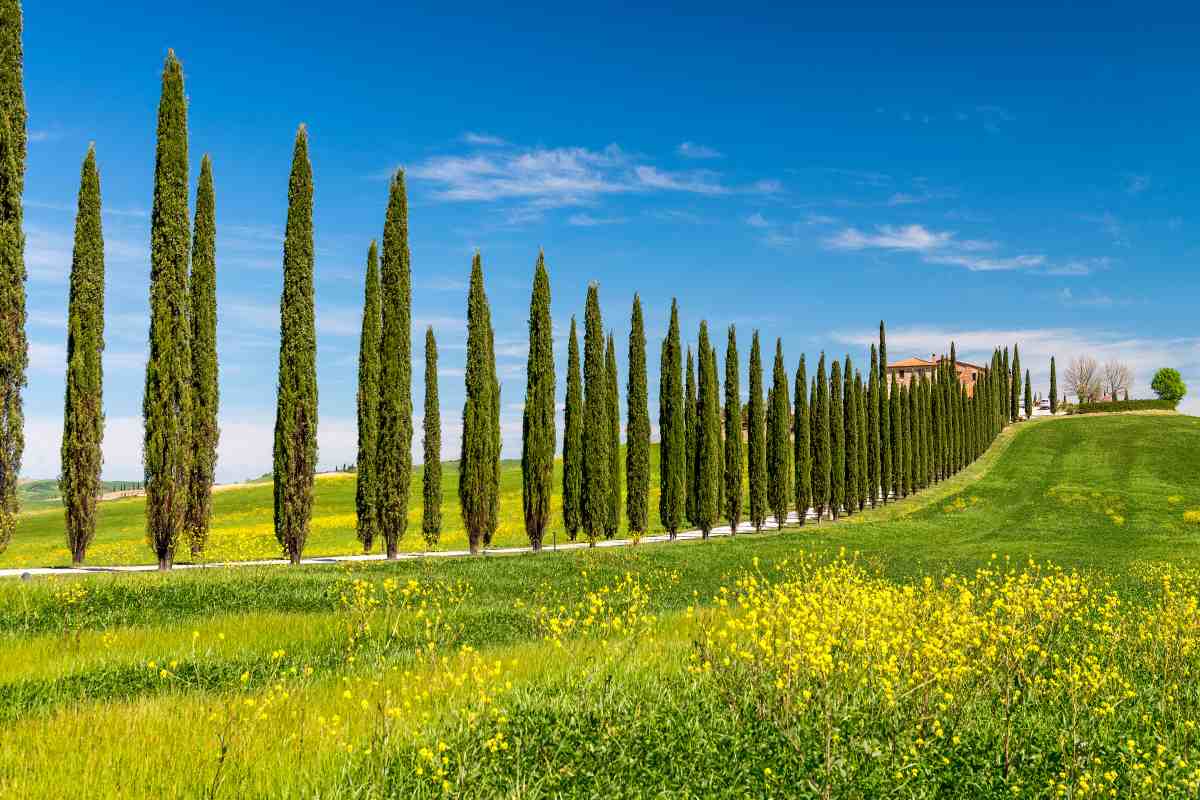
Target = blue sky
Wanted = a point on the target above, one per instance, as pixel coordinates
(988, 175)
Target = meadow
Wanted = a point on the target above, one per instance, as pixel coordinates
(1028, 628)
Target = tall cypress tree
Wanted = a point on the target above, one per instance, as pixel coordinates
(850, 436)
(672, 458)
(802, 444)
(296, 409)
(910, 438)
(1028, 397)
(493, 486)
(205, 390)
(822, 447)
(1005, 389)
(394, 458)
(14, 355)
(431, 471)
(885, 420)
(689, 422)
(837, 441)
(1053, 388)
(860, 408)
(708, 443)
(896, 423)
(537, 425)
(613, 520)
(167, 402)
(83, 408)
(874, 444)
(572, 497)
(733, 433)
(479, 455)
(596, 423)
(637, 428)
(1014, 401)
(756, 444)
(367, 526)
(779, 442)
(719, 435)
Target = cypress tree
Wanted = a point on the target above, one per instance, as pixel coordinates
(296, 409)
(167, 402)
(1005, 389)
(672, 457)
(493, 486)
(896, 423)
(837, 442)
(689, 422)
(83, 408)
(394, 455)
(14, 355)
(885, 421)
(205, 389)
(719, 435)
(431, 470)
(779, 443)
(479, 455)
(926, 431)
(733, 433)
(637, 428)
(1014, 404)
(1053, 388)
(596, 423)
(874, 454)
(708, 443)
(367, 526)
(860, 407)
(756, 443)
(1028, 397)
(850, 436)
(910, 438)
(572, 498)
(537, 425)
(802, 446)
(613, 522)
(822, 447)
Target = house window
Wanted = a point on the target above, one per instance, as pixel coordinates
(901, 373)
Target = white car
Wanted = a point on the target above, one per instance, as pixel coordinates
(1043, 405)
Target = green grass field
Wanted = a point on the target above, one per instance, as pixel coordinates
(1030, 628)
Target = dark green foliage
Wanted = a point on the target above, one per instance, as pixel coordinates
(802, 444)
(83, 407)
(896, 424)
(167, 402)
(480, 456)
(1029, 396)
(779, 441)
(597, 422)
(756, 442)
(613, 521)
(822, 458)
(1123, 405)
(908, 400)
(394, 455)
(885, 420)
(205, 388)
(720, 439)
(637, 428)
(850, 437)
(296, 408)
(860, 408)
(1168, 385)
(431, 473)
(367, 526)
(874, 454)
(573, 440)
(14, 354)
(837, 441)
(733, 433)
(1005, 388)
(689, 423)
(708, 441)
(672, 456)
(1014, 409)
(1053, 388)
(537, 424)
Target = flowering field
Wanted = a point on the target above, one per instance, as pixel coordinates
(938, 650)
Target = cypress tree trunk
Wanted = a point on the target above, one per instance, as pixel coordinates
(850, 436)
(537, 426)
(613, 521)
(756, 444)
(205, 385)
(365, 502)
(822, 448)
(874, 444)
(14, 355)
(837, 442)
(394, 453)
(573, 440)
(779, 444)
(860, 408)
(83, 408)
(672, 457)
(689, 421)
(733, 433)
(708, 445)
(597, 435)
(1028, 397)
(296, 411)
(431, 471)
(802, 444)
(1053, 388)
(167, 402)
(637, 429)
(477, 463)
(885, 421)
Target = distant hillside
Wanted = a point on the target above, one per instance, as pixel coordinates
(42, 493)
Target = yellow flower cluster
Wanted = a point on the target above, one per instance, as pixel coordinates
(621, 607)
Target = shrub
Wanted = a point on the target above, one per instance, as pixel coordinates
(1168, 385)
(1123, 405)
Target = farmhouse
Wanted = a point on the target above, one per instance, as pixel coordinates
(905, 370)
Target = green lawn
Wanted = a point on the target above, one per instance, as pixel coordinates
(875, 659)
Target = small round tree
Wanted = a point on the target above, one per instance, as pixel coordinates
(1168, 385)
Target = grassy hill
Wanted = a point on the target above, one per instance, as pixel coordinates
(879, 672)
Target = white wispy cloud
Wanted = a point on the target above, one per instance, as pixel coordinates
(699, 151)
(589, 221)
(483, 139)
(942, 247)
